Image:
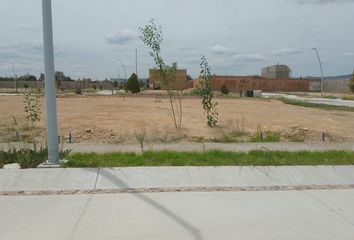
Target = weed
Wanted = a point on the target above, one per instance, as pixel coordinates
(27, 157)
(234, 132)
(265, 136)
(140, 137)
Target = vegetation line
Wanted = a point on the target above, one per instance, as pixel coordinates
(210, 158)
(316, 105)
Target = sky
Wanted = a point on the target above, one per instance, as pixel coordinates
(238, 37)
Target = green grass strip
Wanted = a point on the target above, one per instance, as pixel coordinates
(210, 158)
(316, 105)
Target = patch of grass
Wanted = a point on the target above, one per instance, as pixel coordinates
(267, 137)
(210, 158)
(26, 157)
(234, 132)
(193, 92)
(329, 97)
(316, 105)
(350, 98)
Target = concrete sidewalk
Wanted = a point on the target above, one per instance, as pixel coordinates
(256, 203)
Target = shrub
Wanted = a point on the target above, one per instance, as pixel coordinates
(100, 87)
(133, 84)
(208, 94)
(25, 85)
(94, 87)
(27, 158)
(32, 109)
(78, 91)
(267, 136)
(224, 89)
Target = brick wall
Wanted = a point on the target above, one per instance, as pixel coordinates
(236, 83)
(63, 84)
(336, 85)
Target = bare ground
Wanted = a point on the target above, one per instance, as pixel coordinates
(102, 119)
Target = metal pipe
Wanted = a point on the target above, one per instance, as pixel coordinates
(15, 77)
(125, 72)
(50, 94)
(319, 60)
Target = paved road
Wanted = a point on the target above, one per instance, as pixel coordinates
(333, 102)
(159, 203)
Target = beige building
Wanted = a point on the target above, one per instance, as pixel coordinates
(276, 72)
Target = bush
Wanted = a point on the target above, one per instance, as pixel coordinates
(133, 84)
(224, 89)
(78, 91)
(100, 87)
(25, 85)
(27, 158)
(260, 136)
(194, 92)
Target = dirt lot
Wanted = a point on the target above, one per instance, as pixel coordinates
(101, 119)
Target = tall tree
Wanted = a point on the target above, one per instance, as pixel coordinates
(133, 84)
(208, 94)
(152, 37)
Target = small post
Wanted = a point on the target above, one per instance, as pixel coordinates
(323, 137)
(261, 136)
(70, 138)
(17, 136)
(58, 139)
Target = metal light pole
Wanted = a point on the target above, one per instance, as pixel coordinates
(136, 62)
(125, 72)
(50, 94)
(319, 60)
(15, 77)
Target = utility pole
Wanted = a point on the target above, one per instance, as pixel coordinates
(50, 94)
(15, 77)
(136, 62)
(319, 60)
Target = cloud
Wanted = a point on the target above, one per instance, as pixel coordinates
(221, 50)
(122, 37)
(249, 57)
(21, 50)
(287, 51)
(348, 54)
(323, 1)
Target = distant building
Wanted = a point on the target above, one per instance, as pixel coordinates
(180, 83)
(276, 72)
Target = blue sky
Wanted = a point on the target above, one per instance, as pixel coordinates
(238, 37)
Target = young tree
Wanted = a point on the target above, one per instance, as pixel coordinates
(152, 37)
(133, 84)
(208, 94)
(351, 83)
(224, 89)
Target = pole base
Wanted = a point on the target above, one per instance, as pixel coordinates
(46, 164)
